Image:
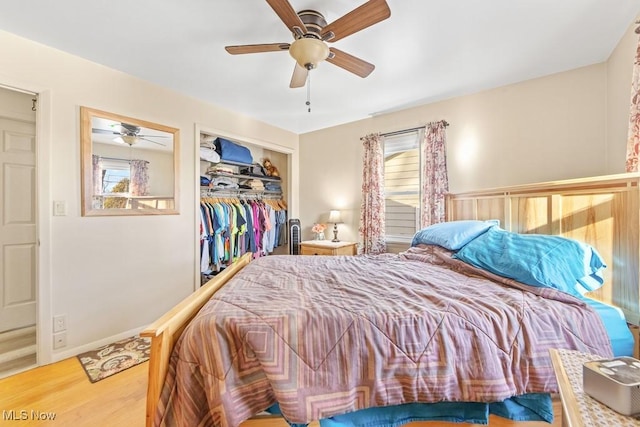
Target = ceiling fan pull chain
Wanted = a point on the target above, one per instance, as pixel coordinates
(308, 103)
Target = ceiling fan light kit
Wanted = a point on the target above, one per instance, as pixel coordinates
(308, 52)
(130, 139)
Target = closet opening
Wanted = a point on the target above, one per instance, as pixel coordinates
(244, 189)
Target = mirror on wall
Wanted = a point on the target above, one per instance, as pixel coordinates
(129, 166)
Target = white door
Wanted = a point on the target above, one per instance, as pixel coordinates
(17, 224)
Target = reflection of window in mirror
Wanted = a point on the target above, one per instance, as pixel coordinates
(130, 166)
(115, 175)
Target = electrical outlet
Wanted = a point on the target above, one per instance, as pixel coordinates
(59, 340)
(59, 323)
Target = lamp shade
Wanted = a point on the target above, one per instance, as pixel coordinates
(334, 217)
(308, 52)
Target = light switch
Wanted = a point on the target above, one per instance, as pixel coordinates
(59, 208)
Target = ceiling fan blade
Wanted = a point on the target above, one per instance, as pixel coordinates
(257, 48)
(110, 132)
(299, 77)
(358, 19)
(153, 136)
(288, 15)
(147, 139)
(350, 63)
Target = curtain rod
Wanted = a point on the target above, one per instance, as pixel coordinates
(114, 158)
(122, 160)
(400, 132)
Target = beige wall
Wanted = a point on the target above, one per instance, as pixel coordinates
(331, 177)
(111, 275)
(561, 126)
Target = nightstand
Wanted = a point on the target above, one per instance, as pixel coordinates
(578, 408)
(327, 247)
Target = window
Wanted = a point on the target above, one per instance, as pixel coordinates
(116, 176)
(402, 185)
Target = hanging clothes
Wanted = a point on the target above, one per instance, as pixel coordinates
(230, 227)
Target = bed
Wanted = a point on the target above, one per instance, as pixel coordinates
(390, 368)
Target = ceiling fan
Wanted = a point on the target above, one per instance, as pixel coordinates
(311, 34)
(128, 134)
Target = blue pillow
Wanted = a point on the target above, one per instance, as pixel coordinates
(590, 283)
(452, 235)
(537, 260)
(595, 280)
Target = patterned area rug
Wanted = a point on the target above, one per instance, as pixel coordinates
(116, 357)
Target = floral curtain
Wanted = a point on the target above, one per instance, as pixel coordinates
(434, 174)
(372, 218)
(633, 137)
(139, 185)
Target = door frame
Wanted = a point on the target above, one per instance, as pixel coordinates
(44, 321)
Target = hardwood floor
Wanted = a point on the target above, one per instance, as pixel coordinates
(61, 394)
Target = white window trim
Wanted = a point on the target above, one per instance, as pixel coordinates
(390, 238)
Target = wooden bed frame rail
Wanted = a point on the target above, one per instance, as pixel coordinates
(165, 331)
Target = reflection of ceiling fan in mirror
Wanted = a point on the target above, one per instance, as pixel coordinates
(311, 32)
(128, 134)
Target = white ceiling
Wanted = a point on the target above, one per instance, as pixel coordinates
(426, 51)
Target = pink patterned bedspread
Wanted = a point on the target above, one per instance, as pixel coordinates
(328, 335)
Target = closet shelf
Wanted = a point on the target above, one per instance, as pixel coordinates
(242, 176)
(238, 190)
(232, 163)
(237, 175)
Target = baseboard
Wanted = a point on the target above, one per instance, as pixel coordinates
(72, 352)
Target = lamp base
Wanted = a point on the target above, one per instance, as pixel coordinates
(335, 233)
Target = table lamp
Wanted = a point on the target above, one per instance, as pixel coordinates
(334, 217)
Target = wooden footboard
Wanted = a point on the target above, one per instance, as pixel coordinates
(165, 331)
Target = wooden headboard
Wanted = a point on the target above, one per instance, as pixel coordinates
(601, 211)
